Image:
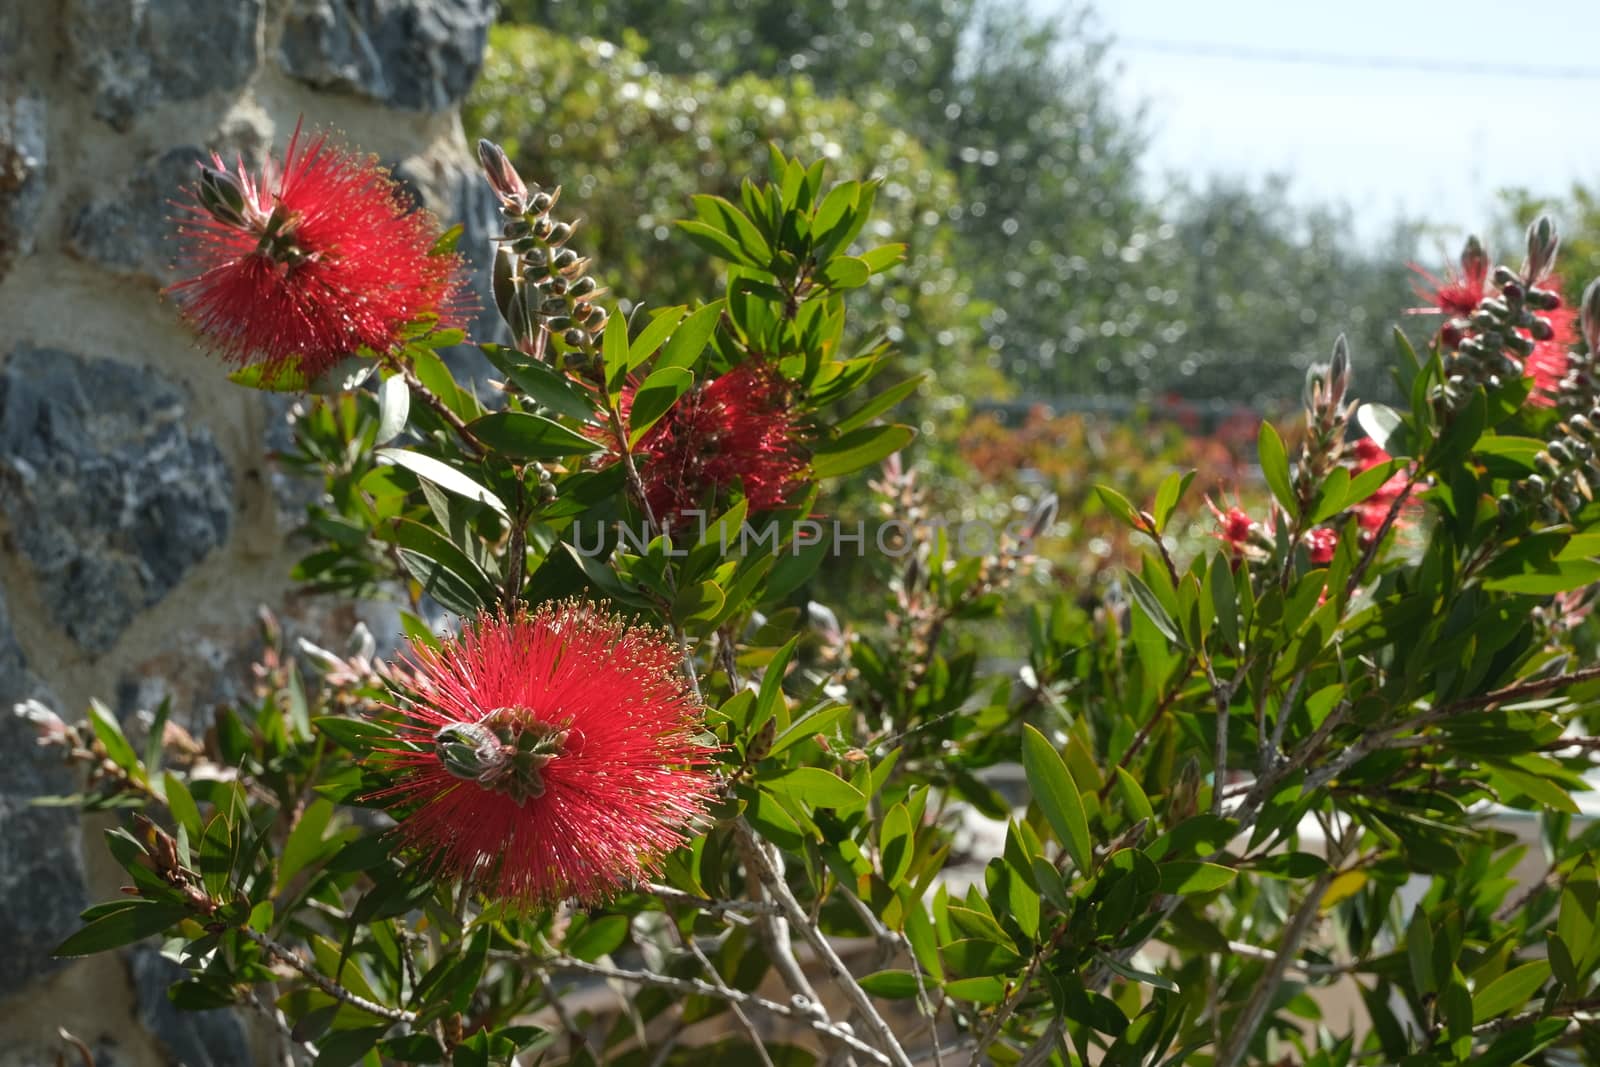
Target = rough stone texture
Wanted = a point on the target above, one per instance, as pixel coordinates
(193, 1038)
(132, 55)
(140, 523)
(41, 862)
(127, 225)
(421, 55)
(111, 487)
(22, 171)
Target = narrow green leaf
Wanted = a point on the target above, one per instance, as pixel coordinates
(689, 340)
(138, 920)
(895, 844)
(109, 732)
(1275, 467)
(442, 475)
(655, 398)
(520, 435)
(657, 330)
(815, 787)
(1511, 990)
(859, 448)
(1057, 796)
(394, 407)
(1182, 877)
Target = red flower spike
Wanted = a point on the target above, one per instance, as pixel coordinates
(1320, 545)
(548, 755)
(1547, 364)
(737, 428)
(1233, 527)
(328, 257)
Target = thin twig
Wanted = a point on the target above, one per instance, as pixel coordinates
(707, 904)
(322, 982)
(837, 970)
(438, 406)
(689, 986)
(689, 943)
(1243, 1030)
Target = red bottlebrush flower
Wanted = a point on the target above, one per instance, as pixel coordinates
(1371, 512)
(307, 267)
(739, 428)
(1233, 527)
(1547, 364)
(1458, 294)
(548, 755)
(1321, 543)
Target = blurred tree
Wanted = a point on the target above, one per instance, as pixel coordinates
(629, 144)
(1036, 248)
(1259, 285)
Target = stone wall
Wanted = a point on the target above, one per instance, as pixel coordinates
(141, 520)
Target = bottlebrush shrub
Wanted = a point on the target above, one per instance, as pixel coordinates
(1271, 772)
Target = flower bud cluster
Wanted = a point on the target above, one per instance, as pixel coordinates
(1327, 415)
(1580, 388)
(1567, 471)
(1490, 345)
(540, 285)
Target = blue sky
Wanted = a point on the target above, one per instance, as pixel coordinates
(1412, 138)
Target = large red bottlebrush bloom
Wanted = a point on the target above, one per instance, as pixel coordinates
(329, 256)
(739, 428)
(548, 755)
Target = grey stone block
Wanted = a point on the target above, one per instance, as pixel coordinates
(420, 55)
(42, 886)
(132, 57)
(111, 488)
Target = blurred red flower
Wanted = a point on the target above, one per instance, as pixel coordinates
(740, 428)
(306, 267)
(548, 755)
(1321, 543)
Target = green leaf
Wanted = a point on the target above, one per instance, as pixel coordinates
(1119, 505)
(891, 985)
(859, 448)
(344, 1047)
(977, 990)
(1057, 796)
(1133, 974)
(974, 956)
(599, 937)
(655, 397)
(544, 385)
(138, 920)
(359, 736)
(818, 721)
(519, 435)
(845, 272)
(1168, 496)
(109, 733)
(657, 330)
(1275, 467)
(683, 348)
(1183, 877)
(179, 801)
(730, 220)
(1510, 990)
(815, 787)
(895, 844)
(1384, 425)
(1146, 599)
(879, 404)
(394, 407)
(614, 353)
(714, 241)
(305, 840)
(442, 475)
(1133, 795)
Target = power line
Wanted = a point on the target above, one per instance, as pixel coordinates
(1407, 64)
